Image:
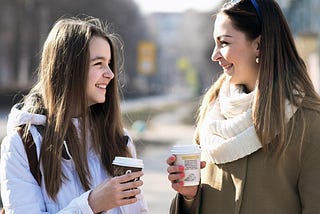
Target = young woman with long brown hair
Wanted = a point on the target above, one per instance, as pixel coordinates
(73, 115)
(258, 125)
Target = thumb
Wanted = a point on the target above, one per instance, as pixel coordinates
(202, 164)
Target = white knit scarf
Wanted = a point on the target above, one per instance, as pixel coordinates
(228, 133)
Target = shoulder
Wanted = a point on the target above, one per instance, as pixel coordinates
(311, 121)
(12, 143)
(13, 155)
(309, 117)
(18, 117)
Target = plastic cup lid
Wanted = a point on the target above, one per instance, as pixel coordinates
(126, 161)
(186, 149)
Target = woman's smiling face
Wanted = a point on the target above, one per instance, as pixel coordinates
(235, 53)
(100, 73)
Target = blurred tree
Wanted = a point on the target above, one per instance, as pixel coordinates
(24, 25)
(198, 28)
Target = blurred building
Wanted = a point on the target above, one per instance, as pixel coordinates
(25, 24)
(303, 19)
(182, 37)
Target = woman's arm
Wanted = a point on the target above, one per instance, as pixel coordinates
(308, 184)
(20, 191)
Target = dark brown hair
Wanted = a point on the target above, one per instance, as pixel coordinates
(282, 75)
(60, 94)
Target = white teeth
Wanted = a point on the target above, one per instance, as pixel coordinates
(102, 86)
(227, 67)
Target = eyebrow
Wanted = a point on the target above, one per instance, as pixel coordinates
(219, 37)
(97, 58)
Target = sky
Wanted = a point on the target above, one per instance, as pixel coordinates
(150, 6)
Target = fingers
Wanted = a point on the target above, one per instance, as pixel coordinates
(128, 181)
(176, 177)
(177, 185)
(118, 191)
(171, 160)
(126, 197)
(202, 164)
(129, 177)
(175, 169)
(131, 185)
(127, 200)
(176, 174)
(124, 191)
(130, 193)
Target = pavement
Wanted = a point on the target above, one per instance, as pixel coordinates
(154, 141)
(153, 146)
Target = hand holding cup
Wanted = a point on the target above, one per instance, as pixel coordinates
(184, 169)
(119, 190)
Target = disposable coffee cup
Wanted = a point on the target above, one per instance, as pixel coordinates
(126, 165)
(189, 157)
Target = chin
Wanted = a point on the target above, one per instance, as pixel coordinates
(102, 101)
(97, 102)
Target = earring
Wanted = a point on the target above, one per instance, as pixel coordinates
(257, 60)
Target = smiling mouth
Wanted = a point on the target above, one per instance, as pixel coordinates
(101, 86)
(227, 67)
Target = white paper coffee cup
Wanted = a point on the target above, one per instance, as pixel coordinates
(189, 157)
(125, 165)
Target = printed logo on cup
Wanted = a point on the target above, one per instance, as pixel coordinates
(125, 165)
(189, 157)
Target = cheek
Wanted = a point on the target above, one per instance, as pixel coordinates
(93, 75)
(91, 81)
(226, 54)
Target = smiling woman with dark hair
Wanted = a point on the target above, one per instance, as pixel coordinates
(73, 116)
(258, 124)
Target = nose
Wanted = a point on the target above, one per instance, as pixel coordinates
(108, 73)
(216, 55)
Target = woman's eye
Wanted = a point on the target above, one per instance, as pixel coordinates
(97, 64)
(223, 43)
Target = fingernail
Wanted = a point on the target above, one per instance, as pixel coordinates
(181, 183)
(182, 175)
(172, 158)
(181, 168)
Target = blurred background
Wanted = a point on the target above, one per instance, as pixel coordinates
(167, 46)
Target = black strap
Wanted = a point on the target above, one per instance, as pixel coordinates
(126, 139)
(31, 151)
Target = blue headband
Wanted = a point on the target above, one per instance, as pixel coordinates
(256, 6)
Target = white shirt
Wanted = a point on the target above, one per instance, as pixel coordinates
(21, 193)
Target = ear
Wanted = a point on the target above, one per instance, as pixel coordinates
(256, 45)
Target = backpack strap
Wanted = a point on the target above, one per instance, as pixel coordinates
(31, 151)
(126, 139)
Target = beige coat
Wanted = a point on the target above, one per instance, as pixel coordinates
(258, 184)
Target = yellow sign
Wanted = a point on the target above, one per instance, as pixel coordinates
(147, 57)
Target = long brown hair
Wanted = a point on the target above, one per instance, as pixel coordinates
(61, 92)
(282, 75)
